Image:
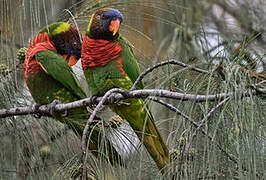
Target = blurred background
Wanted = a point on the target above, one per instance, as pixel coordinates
(225, 37)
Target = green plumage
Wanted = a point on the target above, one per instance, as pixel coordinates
(130, 64)
(98, 80)
(60, 83)
(49, 78)
(103, 78)
(57, 68)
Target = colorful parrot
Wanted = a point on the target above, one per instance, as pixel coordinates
(49, 77)
(108, 62)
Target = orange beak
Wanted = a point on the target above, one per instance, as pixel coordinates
(65, 56)
(70, 60)
(114, 26)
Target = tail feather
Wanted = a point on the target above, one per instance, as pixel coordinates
(142, 123)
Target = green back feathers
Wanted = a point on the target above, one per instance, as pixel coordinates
(55, 28)
(56, 67)
(130, 63)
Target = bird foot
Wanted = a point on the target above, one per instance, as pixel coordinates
(113, 100)
(94, 103)
(120, 103)
(64, 114)
(36, 108)
(51, 109)
(93, 99)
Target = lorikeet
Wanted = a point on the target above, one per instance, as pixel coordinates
(108, 62)
(49, 77)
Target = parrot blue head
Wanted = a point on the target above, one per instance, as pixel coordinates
(112, 14)
(105, 24)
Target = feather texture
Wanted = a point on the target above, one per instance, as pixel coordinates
(105, 70)
(49, 77)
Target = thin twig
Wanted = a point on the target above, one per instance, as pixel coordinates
(85, 131)
(188, 145)
(202, 122)
(194, 123)
(171, 61)
(171, 107)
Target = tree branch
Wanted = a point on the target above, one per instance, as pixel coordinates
(44, 109)
(85, 131)
(171, 61)
(186, 150)
(171, 107)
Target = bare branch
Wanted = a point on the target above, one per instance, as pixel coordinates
(260, 90)
(171, 107)
(188, 145)
(44, 109)
(171, 61)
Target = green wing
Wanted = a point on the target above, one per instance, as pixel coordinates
(130, 64)
(56, 66)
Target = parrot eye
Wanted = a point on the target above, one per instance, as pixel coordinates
(60, 41)
(104, 16)
(75, 44)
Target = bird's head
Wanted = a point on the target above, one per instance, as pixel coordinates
(66, 39)
(104, 24)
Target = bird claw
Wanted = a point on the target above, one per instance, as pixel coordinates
(64, 114)
(51, 109)
(120, 103)
(93, 99)
(37, 115)
(113, 100)
(36, 108)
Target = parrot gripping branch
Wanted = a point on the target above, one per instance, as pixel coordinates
(44, 110)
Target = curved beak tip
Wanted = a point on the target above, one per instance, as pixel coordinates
(114, 26)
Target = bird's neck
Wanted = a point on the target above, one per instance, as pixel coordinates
(96, 52)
